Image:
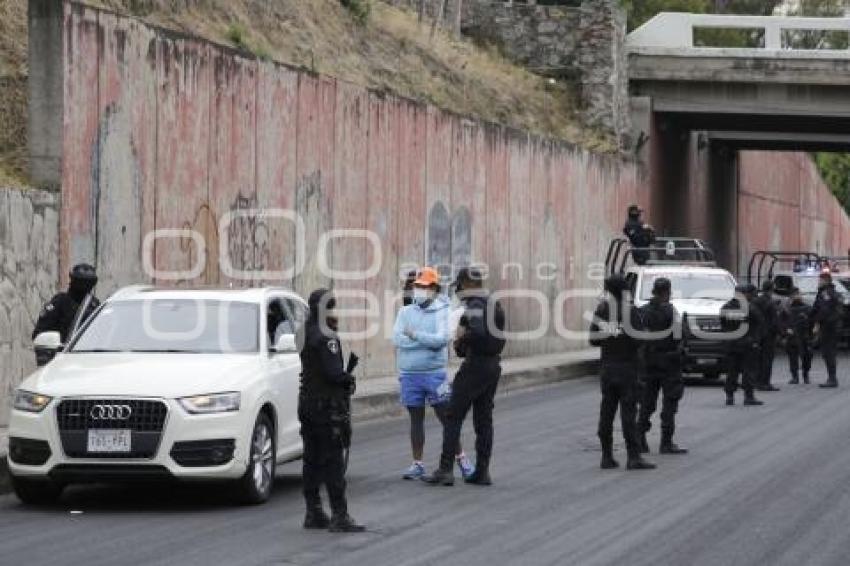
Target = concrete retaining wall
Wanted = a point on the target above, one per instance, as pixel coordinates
(784, 204)
(170, 132)
(162, 131)
(28, 275)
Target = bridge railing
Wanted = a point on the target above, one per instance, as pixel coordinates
(676, 30)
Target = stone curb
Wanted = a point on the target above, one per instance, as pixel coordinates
(386, 404)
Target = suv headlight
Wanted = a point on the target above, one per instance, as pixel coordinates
(214, 403)
(30, 402)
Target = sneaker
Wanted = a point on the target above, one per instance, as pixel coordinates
(416, 471)
(464, 465)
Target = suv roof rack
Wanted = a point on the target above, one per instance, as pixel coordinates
(755, 269)
(670, 254)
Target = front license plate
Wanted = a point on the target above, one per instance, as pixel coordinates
(109, 441)
(705, 361)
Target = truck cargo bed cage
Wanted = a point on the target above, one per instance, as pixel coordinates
(617, 257)
(755, 269)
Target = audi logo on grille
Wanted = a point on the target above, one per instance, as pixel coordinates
(110, 412)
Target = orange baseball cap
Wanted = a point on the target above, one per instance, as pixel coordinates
(427, 277)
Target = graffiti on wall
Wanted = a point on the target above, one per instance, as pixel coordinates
(449, 238)
(248, 236)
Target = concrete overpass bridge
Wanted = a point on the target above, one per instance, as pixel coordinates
(689, 100)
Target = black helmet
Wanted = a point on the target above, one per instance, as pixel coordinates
(615, 284)
(83, 272)
(746, 289)
(467, 275)
(661, 285)
(319, 299)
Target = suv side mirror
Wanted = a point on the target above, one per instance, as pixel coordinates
(285, 345)
(48, 341)
(46, 345)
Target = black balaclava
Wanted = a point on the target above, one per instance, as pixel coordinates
(83, 279)
(323, 299)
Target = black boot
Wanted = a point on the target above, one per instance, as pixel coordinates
(481, 475)
(345, 524)
(636, 462)
(608, 462)
(730, 399)
(643, 446)
(829, 385)
(444, 474)
(441, 477)
(316, 518)
(795, 379)
(667, 445)
(750, 400)
(806, 377)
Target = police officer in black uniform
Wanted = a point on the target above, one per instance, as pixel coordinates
(480, 343)
(742, 353)
(59, 313)
(796, 324)
(662, 367)
(612, 331)
(325, 414)
(640, 235)
(769, 308)
(826, 318)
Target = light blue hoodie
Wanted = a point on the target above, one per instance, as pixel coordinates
(428, 350)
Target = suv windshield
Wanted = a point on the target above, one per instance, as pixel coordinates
(719, 286)
(173, 325)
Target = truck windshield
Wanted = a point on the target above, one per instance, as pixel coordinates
(717, 287)
(166, 325)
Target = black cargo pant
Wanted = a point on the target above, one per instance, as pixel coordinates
(799, 350)
(619, 384)
(669, 383)
(767, 353)
(745, 363)
(829, 351)
(325, 430)
(474, 388)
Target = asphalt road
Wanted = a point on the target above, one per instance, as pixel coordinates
(762, 486)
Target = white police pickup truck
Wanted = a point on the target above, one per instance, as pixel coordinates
(699, 291)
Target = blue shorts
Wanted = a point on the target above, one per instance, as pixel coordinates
(419, 389)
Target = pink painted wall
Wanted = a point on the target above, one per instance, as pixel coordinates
(784, 205)
(163, 131)
(168, 132)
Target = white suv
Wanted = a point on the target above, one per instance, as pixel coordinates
(164, 384)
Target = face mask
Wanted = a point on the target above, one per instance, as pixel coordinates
(421, 295)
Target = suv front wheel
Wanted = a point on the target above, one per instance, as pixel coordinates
(256, 485)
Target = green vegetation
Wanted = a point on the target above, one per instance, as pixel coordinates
(238, 36)
(835, 170)
(360, 9)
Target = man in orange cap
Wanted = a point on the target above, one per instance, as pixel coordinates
(421, 335)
